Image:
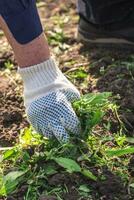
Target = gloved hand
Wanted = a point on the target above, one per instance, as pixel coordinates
(48, 95)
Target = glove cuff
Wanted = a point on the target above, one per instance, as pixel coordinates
(41, 79)
(41, 74)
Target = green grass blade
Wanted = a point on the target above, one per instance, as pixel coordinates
(120, 152)
(88, 174)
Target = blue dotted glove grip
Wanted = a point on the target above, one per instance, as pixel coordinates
(53, 115)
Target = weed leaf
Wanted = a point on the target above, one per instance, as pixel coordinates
(9, 153)
(10, 182)
(84, 188)
(120, 152)
(88, 174)
(69, 164)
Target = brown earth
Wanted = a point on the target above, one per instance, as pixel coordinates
(119, 80)
(12, 118)
(111, 188)
(104, 76)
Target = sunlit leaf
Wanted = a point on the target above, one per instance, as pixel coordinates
(120, 152)
(10, 182)
(9, 153)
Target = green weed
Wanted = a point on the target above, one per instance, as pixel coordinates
(34, 159)
(9, 65)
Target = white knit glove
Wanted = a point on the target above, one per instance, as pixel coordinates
(48, 95)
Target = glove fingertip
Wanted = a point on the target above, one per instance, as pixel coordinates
(60, 133)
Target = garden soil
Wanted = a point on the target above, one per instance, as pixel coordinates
(104, 76)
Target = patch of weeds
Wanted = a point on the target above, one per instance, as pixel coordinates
(78, 76)
(8, 65)
(57, 39)
(36, 166)
(91, 109)
(56, 36)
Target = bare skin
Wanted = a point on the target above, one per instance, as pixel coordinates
(28, 54)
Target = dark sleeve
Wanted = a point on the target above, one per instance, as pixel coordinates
(22, 19)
